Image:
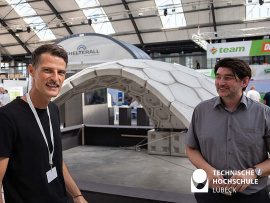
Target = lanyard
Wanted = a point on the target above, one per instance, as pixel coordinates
(41, 128)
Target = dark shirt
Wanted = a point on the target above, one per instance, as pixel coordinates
(21, 141)
(198, 65)
(267, 98)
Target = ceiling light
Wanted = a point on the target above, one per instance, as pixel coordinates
(89, 22)
(19, 29)
(165, 12)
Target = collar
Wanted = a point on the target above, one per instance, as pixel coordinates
(220, 102)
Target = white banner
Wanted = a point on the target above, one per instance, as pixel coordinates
(230, 49)
(89, 49)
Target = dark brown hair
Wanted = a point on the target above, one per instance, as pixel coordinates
(53, 49)
(239, 67)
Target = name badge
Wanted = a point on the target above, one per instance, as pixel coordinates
(51, 174)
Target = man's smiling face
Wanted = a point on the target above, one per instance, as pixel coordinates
(49, 75)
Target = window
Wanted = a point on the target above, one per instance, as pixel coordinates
(211, 63)
(255, 11)
(171, 13)
(40, 28)
(189, 61)
(100, 21)
(4, 67)
(22, 69)
(38, 25)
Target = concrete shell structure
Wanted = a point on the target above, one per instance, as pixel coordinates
(168, 92)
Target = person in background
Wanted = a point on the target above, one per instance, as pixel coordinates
(228, 133)
(6, 98)
(266, 99)
(2, 92)
(134, 105)
(32, 168)
(129, 101)
(253, 94)
(198, 65)
(126, 102)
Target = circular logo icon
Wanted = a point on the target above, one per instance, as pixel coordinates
(199, 176)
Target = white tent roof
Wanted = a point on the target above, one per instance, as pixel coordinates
(168, 92)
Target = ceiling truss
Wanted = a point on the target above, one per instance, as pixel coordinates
(138, 31)
(58, 16)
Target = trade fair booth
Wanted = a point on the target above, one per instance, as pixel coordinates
(156, 85)
(168, 94)
(85, 50)
(102, 62)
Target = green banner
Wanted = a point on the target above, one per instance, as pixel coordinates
(267, 70)
(239, 49)
(260, 47)
(213, 73)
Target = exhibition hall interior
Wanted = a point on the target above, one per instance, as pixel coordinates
(136, 71)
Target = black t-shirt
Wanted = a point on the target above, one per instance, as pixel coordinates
(267, 98)
(21, 140)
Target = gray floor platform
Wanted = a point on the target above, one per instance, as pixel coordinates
(134, 173)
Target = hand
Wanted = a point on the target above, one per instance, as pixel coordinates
(247, 175)
(214, 175)
(79, 199)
